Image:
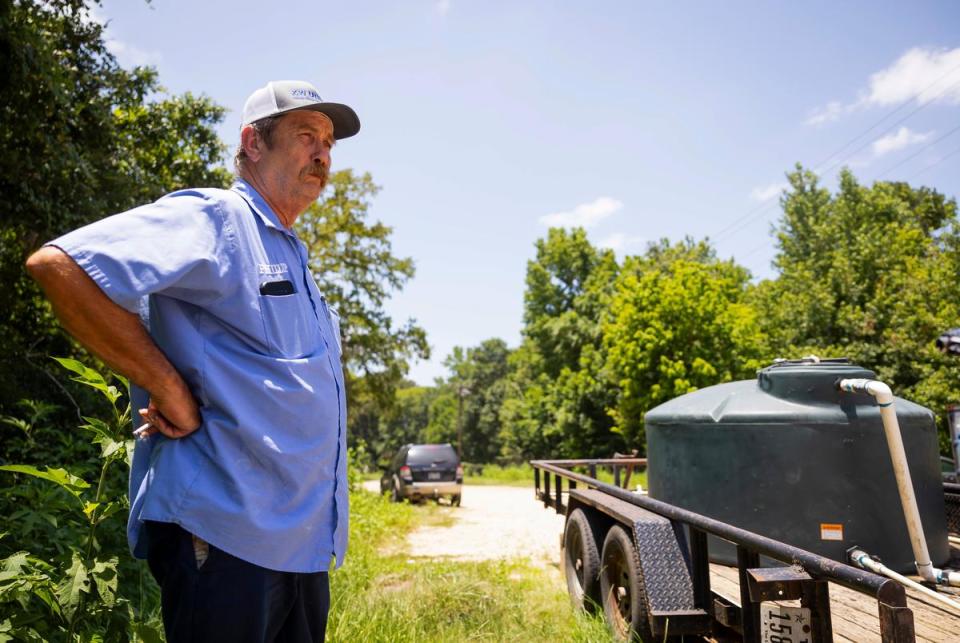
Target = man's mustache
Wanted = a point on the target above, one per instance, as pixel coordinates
(319, 170)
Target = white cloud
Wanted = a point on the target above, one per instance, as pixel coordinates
(913, 73)
(767, 192)
(130, 55)
(585, 215)
(619, 241)
(898, 140)
(831, 112)
(126, 54)
(929, 74)
(443, 7)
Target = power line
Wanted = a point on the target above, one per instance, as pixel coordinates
(747, 219)
(754, 250)
(917, 153)
(761, 206)
(889, 114)
(943, 158)
(755, 213)
(933, 165)
(919, 107)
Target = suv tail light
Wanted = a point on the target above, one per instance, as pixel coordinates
(405, 473)
(459, 472)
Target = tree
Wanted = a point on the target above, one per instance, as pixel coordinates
(556, 399)
(83, 139)
(868, 273)
(565, 292)
(477, 386)
(353, 263)
(679, 321)
(442, 422)
(384, 430)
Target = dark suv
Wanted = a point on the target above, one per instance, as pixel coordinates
(421, 471)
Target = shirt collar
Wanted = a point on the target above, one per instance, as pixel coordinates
(259, 205)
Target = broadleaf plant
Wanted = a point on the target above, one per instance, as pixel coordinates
(71, 586)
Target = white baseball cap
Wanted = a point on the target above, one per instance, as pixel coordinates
(281, 96)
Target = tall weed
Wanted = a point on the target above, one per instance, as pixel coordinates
(66, 573)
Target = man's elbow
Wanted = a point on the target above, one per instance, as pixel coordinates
(45, 262)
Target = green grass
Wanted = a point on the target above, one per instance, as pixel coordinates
(521, 475)
(380, 594)
(637, 478)
(514, 475)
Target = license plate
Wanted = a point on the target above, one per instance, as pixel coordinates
(784, 624)
(433, 475)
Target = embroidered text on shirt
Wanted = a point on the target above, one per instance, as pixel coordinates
(272, 268)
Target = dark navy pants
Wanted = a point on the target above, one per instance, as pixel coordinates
(228, 599)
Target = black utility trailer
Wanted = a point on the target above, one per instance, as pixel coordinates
(646, 564)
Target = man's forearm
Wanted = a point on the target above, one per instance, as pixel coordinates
(113, 334)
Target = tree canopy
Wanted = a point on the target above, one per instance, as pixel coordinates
(867, 273)
(352, 260)
(678, 322)
(83, 138)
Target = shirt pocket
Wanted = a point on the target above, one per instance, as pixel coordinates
(289, 324)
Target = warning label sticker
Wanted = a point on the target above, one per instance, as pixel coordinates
(831, 531)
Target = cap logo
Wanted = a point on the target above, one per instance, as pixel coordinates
(305, 94)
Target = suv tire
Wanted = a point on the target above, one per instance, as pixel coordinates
(394, 492)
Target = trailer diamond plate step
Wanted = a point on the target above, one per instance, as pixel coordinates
(664, 564)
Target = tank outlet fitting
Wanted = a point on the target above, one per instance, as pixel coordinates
(877, 389)
(947, 577)
(864, 560)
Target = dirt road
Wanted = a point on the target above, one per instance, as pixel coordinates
(492, 522)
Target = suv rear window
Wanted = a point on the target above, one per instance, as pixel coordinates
(431, 454)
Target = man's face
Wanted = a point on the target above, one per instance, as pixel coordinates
(296, 167)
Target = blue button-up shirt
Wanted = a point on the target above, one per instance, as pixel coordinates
(264, 478)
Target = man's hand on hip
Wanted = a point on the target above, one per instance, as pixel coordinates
(174, 413)
(118, 337)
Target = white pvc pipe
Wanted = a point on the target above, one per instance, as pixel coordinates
(863, 559)
(891, 427)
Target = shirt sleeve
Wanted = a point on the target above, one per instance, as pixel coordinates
(179, 246)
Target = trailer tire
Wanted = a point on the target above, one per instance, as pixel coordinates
(622, 588)
(581, 562)
(455, 500)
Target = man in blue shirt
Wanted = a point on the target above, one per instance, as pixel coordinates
(205, 301)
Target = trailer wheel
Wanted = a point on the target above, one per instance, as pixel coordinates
(622, 588)
(455, 500)
(581, 561)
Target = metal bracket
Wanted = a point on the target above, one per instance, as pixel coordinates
(776, 583)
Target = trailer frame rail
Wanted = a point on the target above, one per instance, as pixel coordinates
(805, 576)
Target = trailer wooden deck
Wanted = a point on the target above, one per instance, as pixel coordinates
(854, 615)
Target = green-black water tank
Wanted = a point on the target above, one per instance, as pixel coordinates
(791, 457)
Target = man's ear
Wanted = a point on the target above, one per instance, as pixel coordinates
(251, 142)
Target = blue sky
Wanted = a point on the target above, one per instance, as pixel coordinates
(486, 121)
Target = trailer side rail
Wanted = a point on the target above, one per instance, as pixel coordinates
(896, 619)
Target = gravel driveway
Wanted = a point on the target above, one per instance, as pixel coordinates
(491, 522)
